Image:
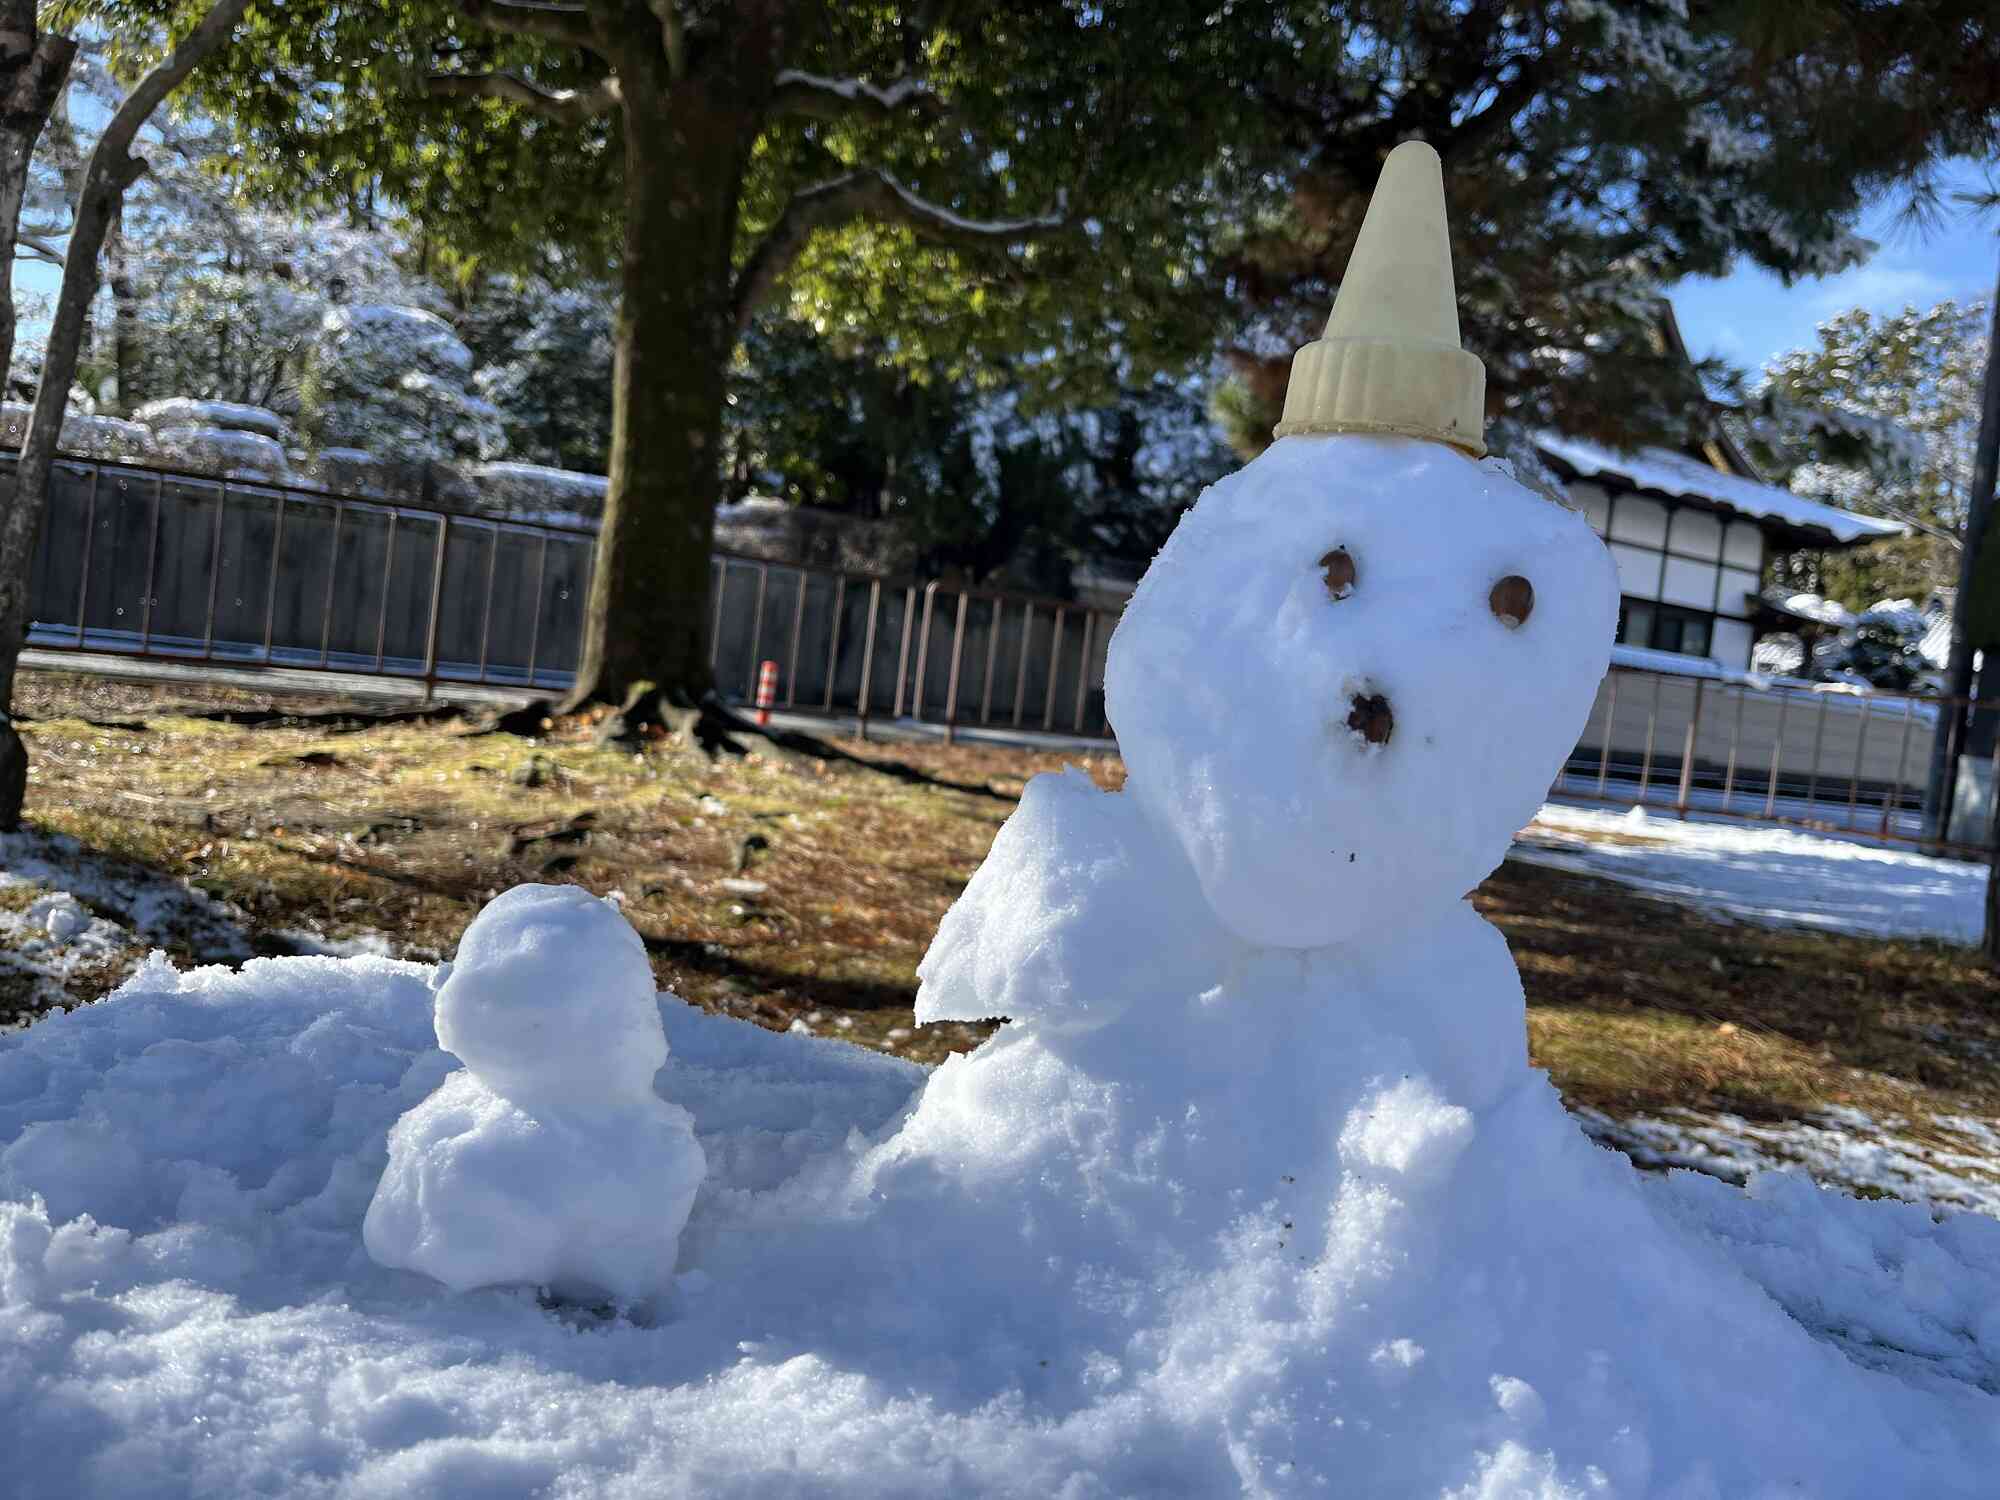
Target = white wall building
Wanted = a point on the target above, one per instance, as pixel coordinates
(1690, 540)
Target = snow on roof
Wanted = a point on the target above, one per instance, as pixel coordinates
(1671, 473)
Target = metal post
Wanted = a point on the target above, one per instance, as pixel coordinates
(1687, 750)
(89, 534)
(332, 572)
(1860, 749)
(868, 653)
(437, 611)
(486, 616)
(1652, 725)
(957, 654)
(757, 630)
(535, 624)
(271, 583)
(214, 572)
(1055, 657)
(1610, 718)
(388, 576)
(798, 625)
(833, 650)
(992, 653)
(1819, 738)
(1777, 749)
(715, 630)
(903, 655)
(923, 651)
(152, 560)
(1083, 668)
(1021, 668)
(1902, 759)
(1735, 745)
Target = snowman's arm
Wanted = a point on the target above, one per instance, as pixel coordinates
(1079, 909)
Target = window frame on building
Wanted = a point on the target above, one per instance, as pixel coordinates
(1692, 561)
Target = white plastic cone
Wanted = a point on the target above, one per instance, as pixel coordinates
(1390, 361)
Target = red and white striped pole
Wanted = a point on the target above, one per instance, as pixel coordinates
(767, 691)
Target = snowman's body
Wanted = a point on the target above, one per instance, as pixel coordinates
(1319, 771)
(548, 1160)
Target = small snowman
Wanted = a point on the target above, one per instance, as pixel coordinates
(548, 1160)
(1342, 686)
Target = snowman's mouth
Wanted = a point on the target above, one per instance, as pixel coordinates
(1371, 718)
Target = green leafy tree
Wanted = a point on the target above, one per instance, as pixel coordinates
(981, 481)
(1880, 417)
(1593, 153)
(943, 174)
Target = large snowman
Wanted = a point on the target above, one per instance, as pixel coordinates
(1341, 688)
(1260, 1153)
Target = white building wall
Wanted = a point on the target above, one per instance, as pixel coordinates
(1684, 556)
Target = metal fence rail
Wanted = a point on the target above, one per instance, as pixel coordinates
(1827, 760)
(946, 653)
(152, 562)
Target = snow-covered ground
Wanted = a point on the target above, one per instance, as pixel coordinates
(1762, 874)
(72, 912)
(189, 1310)
(1958, 1166)
(68, 913)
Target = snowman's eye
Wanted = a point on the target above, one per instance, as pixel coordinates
(1340, 574)
(1512, 600)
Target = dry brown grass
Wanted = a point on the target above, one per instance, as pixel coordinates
(1636, 1006)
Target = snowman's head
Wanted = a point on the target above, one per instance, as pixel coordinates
(550, 1000)
(1350, 676)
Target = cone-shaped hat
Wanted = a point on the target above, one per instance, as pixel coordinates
(1390, 360)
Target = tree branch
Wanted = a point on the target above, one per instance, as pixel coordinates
(571, 105)
(821, 98)
(871, 194)
(39, 249)
(673, 37)
(568, 24)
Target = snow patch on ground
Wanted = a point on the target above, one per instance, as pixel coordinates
(1776, 876)
(95, 913)
(1954, 1162)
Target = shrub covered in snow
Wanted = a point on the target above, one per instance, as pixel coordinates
(229, 452)
(395, 381)
(229, 416)
(83, 435)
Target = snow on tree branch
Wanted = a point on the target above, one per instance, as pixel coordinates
(869, 194)
(821, 98)
(571, 105)
(569, 24)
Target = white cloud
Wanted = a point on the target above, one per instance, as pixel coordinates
(1879, 286)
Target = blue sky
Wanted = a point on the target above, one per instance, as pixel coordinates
(1750, 315)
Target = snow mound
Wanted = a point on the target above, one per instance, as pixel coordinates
(226, 451)
(549, 1160)
(1378, 1287)
(231, 416)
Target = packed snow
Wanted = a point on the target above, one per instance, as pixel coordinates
(1777, 876)
(553, 1129)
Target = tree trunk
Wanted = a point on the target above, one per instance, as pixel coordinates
(112, 169)
(124, 323)
(33, 70)
(649, 593)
